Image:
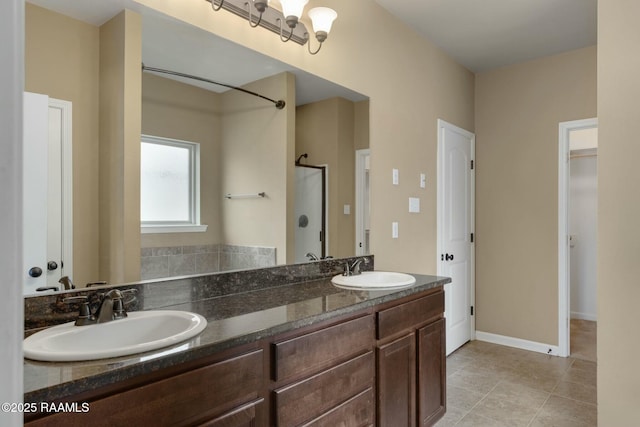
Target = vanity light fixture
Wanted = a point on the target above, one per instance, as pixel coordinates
(258, 13)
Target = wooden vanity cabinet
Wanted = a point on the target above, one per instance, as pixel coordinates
(325, 377)
(411, 362)
(225, 393)
(432, 396)
(383, 366)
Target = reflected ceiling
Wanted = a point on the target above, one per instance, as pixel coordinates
(171, 44)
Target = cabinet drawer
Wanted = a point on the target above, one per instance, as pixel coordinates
(318, 350)
(409, 315)
(355, 412)
(242, 416)
(308, 399)
(183, 399)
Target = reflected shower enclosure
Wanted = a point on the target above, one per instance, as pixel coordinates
(310, 211)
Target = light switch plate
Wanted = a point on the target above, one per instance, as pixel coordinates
(414, 204)
(394, 230)
(423, 180)
(347, 209)
(396, 178)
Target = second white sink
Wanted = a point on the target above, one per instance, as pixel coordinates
(374, 280)
(139, 332)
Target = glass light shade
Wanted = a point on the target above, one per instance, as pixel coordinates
(322, 18)
(293, 7)
(261, 5)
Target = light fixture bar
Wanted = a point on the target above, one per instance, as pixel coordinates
(270, 17)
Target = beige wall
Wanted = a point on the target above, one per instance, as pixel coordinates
(120, 117)
(257, 149)
(171, 109)
(405, 103)
(326, 130)
(618, 213)
(518, 109)
(62, 61)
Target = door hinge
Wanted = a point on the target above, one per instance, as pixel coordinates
(471, 237)
(472, 164)
(472, 310)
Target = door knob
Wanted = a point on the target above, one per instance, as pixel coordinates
(448, 257)
(35, 272)
(52, 265)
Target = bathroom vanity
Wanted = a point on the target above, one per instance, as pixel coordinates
(297, 352)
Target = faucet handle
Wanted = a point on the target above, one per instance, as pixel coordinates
(130, 291)
(118, 302)
(84, 317)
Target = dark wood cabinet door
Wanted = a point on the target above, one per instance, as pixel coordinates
(396, 369)
(431, 373)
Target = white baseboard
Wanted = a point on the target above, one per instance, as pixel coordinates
(584, 316)
(518, 343)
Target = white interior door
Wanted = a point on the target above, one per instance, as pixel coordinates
(363, 205)
(455, 227)
(47, 186)
(308, 212)
(34, 191)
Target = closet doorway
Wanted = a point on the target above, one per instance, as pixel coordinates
(578, 205)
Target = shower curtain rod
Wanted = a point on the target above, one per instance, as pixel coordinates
(279, 103)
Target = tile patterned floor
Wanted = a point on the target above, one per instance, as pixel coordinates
(583, 339)
(489, 385)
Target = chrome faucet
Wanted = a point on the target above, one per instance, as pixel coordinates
(354, 268)
(312, 256)
(111, 307)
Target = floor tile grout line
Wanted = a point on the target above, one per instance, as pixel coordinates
(558, 371)
(539, 409)
(477, 403)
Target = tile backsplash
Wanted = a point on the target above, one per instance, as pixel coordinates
(169, 261)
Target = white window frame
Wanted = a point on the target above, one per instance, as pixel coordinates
(152, 227)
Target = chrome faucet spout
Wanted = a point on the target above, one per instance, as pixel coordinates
(354, 268)
(112, 306)
(312, 256)
(105, 310)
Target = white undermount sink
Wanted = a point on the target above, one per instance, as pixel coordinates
(374, 280)
(139, 332)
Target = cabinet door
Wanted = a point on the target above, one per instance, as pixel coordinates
(396, 383)
(432, 395)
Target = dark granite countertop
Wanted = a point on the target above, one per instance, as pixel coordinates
(233, 320)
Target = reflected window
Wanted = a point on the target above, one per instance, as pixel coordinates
(169, 182)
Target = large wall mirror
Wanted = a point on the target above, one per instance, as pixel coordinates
(275, 186)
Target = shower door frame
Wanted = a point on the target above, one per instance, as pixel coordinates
(324, 238)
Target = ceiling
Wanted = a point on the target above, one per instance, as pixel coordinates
(479, 34)
(486, 34)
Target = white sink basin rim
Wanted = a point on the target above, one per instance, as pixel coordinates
(374, 280)
(139, 332)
